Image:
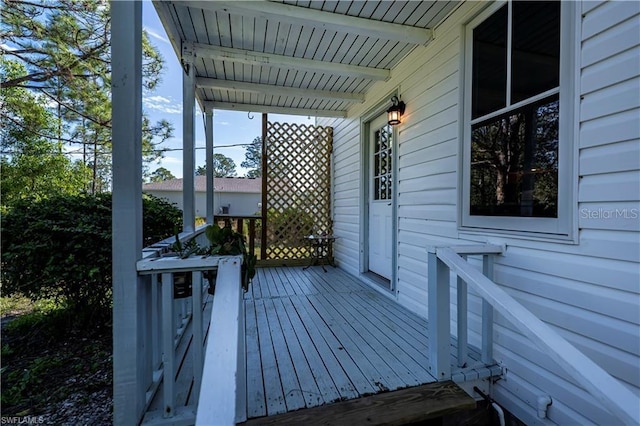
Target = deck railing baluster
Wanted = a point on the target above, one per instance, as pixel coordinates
(252, 236)
(155, 323)
(197, 332)
(462, 321)
(487, 314)
(168, 338)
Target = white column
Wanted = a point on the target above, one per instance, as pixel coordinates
(129, 291)
(188, 137)
(209, 149)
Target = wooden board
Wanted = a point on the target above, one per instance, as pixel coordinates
(391, 408)
(316, 338)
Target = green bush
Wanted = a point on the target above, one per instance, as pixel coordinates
(160, 219)
(60, 248)
(289, 225)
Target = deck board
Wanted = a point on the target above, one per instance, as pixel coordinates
(310, 393)
(255, 384)
(408, 406)
(287, 372)
(272, 386)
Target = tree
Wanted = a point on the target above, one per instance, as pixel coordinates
(253, 158)
(222, 167)
(514, 163)
(64, 48)
(33, 164)
(161, 174)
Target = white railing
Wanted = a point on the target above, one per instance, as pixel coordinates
(223, 395)
(169, 318)
(612, 394)
(172, 324)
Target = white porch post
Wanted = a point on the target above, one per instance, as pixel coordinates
(209, 149)
(439, 317)
(129, 291)
(188, 137)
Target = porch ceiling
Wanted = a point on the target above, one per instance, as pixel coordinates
(295, 57)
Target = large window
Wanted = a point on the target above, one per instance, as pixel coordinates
(517, 119)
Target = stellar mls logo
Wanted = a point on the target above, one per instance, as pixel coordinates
(601, 213)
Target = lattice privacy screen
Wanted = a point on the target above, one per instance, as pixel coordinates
(298, 187)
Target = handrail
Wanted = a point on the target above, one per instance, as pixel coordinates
(168, 312)
(619, 400)
(169, 319)
(222, 398)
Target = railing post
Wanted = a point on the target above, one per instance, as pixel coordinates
(461, 293)
(487, 314)
(197, 332)
(252, 236)
(168, 349)
(439, 318)
(156, 341)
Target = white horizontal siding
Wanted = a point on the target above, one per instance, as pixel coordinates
(346, 190)
(623, 156)
(605, 130)
(590, 291)
(622, 186)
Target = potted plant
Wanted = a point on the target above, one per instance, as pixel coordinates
(225, 241)
(222, 241)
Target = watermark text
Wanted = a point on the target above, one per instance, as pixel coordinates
(21, 420)
(601, 213)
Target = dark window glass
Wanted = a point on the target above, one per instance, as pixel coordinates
(490, 64)
(382, 172)
(514, 163)
(535, 42)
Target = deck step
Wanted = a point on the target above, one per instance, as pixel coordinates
(410, 405)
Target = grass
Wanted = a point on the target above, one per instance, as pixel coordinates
(19, 305)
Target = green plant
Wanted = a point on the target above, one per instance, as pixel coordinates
(289, 225)
(60, 248)
(186, 249)
(160, 217)
(226, 241)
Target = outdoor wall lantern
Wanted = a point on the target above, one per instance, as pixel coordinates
(394, 113)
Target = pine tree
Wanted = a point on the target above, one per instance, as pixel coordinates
(64, 48)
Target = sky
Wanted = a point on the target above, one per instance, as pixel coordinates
(165, 102)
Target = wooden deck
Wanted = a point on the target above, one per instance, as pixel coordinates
(315, 338)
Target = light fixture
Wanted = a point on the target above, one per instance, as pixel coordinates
(394, 113)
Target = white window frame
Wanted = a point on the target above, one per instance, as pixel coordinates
(562, 227)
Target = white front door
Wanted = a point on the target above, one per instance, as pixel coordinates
(381, 197)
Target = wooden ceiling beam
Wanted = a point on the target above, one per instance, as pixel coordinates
(230, 106)
(266, 89)
(250, 57)
(319, 19)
